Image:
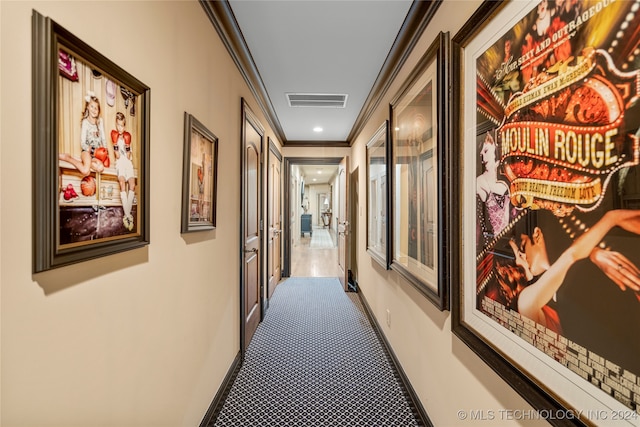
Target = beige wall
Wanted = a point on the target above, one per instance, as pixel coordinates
(142, 338)
(445, 373)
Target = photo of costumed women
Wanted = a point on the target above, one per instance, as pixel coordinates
(557, 177)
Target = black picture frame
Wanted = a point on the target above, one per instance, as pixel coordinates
(378, 196)
(560, 378)
(419, 175)
(70, 187)
(199, 177)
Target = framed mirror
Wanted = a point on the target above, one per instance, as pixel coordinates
(378, 196)
(418, 175)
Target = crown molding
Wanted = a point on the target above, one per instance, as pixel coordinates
(221, 16)
(224, 21)
(418, 17)
(318, 144)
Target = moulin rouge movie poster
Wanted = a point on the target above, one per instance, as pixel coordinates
(558, 187)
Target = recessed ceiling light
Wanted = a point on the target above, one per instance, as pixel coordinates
(317, 129)
(314, 180)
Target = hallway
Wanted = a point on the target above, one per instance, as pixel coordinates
(150, 327)
(315, 255)
(316, 360)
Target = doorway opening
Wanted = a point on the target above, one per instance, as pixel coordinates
(310, 223)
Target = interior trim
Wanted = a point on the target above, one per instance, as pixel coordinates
(223, 391)
(221, 16)
(273, 148)
(318, 144)
(418, 17)
(223, 20)
(248, 118)
(287, 199)
(414, 400)
(275, 152)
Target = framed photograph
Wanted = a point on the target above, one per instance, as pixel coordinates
(419, 141)
(199, 179)
(546, 276)
(378, 196)
(91, 151)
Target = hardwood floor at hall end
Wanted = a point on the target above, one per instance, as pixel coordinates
(315, 255)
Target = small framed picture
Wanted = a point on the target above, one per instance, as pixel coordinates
(199, 179)
(91, 151)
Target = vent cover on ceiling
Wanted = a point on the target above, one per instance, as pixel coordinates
(326, 100)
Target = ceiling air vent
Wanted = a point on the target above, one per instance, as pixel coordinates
(323, 100)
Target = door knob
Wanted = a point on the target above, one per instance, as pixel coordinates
(252, 250)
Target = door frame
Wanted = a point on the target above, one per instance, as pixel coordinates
(247, 116)
(344, 224)
(286, 218)
(273, 151)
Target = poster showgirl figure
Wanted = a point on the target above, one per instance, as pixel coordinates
(492, 193)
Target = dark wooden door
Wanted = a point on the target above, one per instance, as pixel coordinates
(274, 209)
(252, 225)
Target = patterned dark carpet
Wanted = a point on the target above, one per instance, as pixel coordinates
(316, 360)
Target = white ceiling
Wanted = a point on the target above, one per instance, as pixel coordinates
(319, 46)
(318, 174)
